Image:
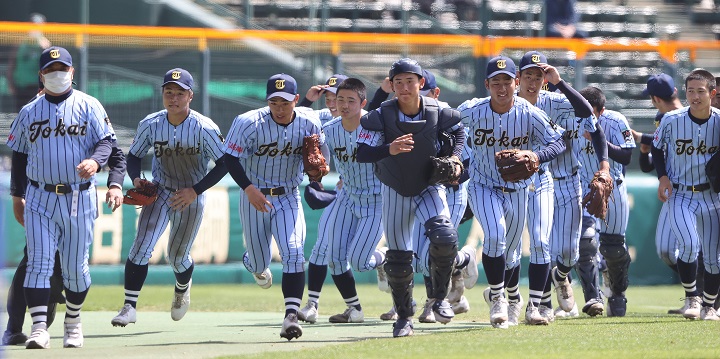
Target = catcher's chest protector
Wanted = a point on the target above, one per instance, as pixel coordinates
(408, 173)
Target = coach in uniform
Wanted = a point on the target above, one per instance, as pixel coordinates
(59, 142)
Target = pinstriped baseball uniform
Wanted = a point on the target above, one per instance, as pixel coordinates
(402, 212)
(694, 216)
(617, 131)
(501, 206)
(457, 199)
(326, 116)
(180, 156)
(567, 222)
(351, 227)
(56, 138)
(271, 155)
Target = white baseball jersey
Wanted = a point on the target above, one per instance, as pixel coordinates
(617, 131)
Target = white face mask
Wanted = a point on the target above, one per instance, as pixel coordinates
(58, 81)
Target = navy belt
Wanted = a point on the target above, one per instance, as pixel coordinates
(61, 188)
(276, 191)
(566, 177)
(505, 189)
(695, 188)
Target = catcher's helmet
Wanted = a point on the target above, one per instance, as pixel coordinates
(405, 65)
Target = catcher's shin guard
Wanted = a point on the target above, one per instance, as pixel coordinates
(443, 250)
(587, 268)
(613, 248)
(399, 270)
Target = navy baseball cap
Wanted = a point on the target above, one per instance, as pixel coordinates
(531, 59)
(316, 197)
(661, 85)
(334, 81)
(55, 54)
(180, 77)
(405, 65)
(500, 65)
(282, 85)
(429, 83)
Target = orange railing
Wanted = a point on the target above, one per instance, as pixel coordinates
(337, 42)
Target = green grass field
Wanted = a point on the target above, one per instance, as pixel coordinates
(241, 321)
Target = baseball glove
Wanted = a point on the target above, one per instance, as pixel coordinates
(516, 165)
(313, 159)
(446, 170)
(142, 196)
(596, 200)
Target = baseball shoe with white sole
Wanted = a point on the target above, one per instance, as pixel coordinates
(39, 337)
(127, 315)
(180, 304)
(350, 315)
(73, 337)
(290, 328)
(264, 279)
(564, 291)
(308, 313)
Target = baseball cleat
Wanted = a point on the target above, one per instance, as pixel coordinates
(383, 284)
(470, 272)
(594, 307)
(350, 315)
(709, 313)
(264, 279)
(308, 313)
(73, 337)
(39, 338)
(461, 306)
(562, 314)
(680, 310)
(499, 312)
(693, 305)
(564, 291)
(547, 313)
(617, 305)
(486, 296)
(514, 309)
(13, 338)
(390, 315)
(533, 317)
(457, 287)
(127, 315)
(427, 315)
(180, 304)
(290, 328)
(442, 311)
(403, 328)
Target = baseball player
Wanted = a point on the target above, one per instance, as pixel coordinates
(663, 95)
(16, 304)
(60, 204)
(329, 89)
(182, 141)
(350, 227)
(620, 143)
(503, 121)
(689, 135)
(400, 137)
(548, 195)
(263, 153)
(715, 102)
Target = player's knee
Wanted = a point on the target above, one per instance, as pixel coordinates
(398, 266)
(443, 238)
(588, 249)
(612, 246)
(588, 227)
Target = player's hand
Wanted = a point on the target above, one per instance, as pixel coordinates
(636, 135)
(257, 199)
(402, 144)
(114, 198)
(387, 85)
(644, 148)
(182, 198)
(665, 189)
(551, 73)
(19, 210)
(87, 168)
(313, 93)
(140, 182)
(339, 184)
(587, 136)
